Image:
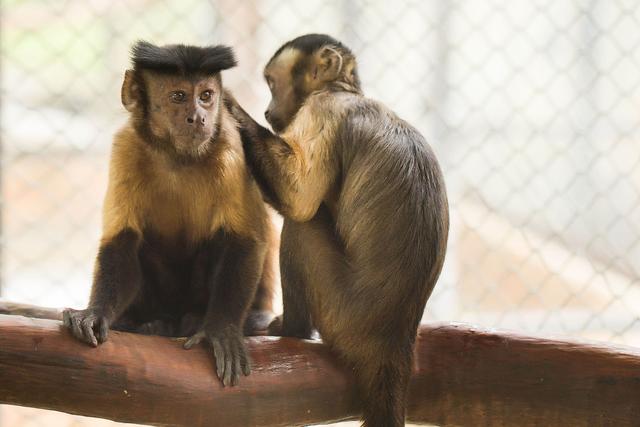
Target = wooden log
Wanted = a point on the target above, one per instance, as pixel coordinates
(463, 376)
(470, 376)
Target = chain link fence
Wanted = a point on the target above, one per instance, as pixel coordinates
(532, 106)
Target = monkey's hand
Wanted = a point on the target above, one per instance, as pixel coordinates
(245, 121)
(228, 348)
(235, 109)
(90, 325)
(249, 128)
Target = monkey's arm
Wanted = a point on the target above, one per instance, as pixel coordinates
(294, 177)
(235, 286)
(117, 280)
(264, 169)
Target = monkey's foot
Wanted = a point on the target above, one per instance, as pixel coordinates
(229, 351)
(275, 327)
(278, 329)
(257, 322)
(87, 325)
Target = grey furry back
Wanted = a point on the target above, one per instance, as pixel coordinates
(386, 160)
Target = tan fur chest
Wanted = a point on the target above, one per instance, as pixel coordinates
(148, 192)
(183, 202)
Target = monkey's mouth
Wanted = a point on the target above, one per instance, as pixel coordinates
(194, 142)
(193, 138)
(276, 124)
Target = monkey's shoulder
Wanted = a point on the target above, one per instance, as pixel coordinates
(337, 107)
(126, 146)
(369, 119)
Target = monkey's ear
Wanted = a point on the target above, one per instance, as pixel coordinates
(130, 91)
(328, 64)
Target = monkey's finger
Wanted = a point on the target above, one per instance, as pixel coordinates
(245, 361)
(78, 331)
(195, 339)
(237, 368)
(228, 360)
(75, 328)
(103, 330)
(190, 343)
(218, 353)
(87, 331)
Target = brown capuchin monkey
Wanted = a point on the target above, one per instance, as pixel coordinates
(186, 232)
(366, 216)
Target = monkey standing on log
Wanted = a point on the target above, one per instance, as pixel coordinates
(185, 229)
(366, 216)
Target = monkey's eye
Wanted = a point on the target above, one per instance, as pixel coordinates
(178, 96)
(206, 96)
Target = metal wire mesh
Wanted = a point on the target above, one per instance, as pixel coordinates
(532, 106)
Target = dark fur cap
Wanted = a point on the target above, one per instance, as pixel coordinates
(182, 59)
(309, 43)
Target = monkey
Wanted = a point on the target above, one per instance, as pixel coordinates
(186, 232)
(366, 216)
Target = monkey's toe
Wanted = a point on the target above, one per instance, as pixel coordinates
(231, 358)
(275, 327)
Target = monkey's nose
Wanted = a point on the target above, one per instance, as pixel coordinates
(266, 114)
(197, 118)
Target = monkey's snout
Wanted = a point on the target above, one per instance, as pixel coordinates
(267, 114)
(196, 119)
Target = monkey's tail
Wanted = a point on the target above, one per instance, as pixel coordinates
(29, 310)
(383, 386)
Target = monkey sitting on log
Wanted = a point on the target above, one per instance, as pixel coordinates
(185, 229)
(366, 216)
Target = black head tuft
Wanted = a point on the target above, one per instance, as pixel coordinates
(309, 43)
(182, 59)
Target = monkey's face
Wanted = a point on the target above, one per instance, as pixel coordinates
(293, 75)
(183, 110)
(288, 92)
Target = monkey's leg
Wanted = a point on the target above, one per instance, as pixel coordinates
(228, 305)
(117, 281)
(261, 313)
(316, 275)
(295, 320)
(314, 271)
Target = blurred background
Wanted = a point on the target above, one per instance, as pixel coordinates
(532, 106)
